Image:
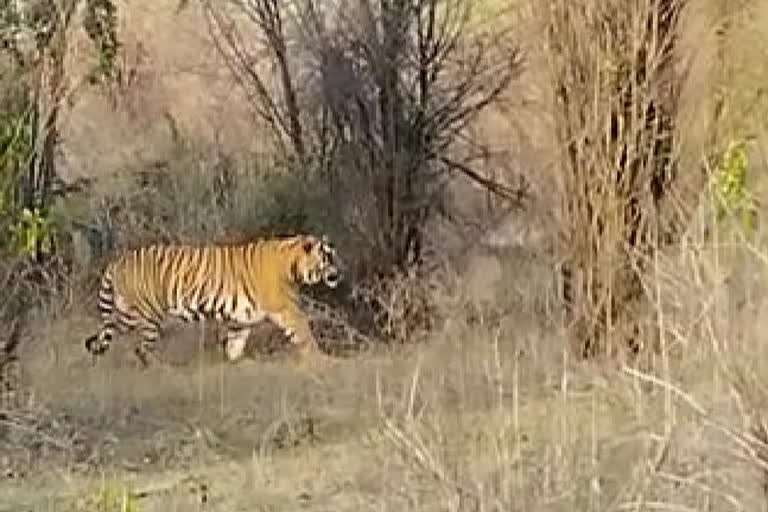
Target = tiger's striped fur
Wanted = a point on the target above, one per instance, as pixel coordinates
(240, 285)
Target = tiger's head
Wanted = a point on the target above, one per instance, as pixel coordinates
(315, 261)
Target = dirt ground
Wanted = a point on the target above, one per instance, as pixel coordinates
(204, 432)
(488, 416)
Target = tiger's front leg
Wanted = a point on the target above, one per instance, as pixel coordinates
(297, 330)
(235, 341)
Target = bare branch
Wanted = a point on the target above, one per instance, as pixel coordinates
(283, 118)
(390, 87)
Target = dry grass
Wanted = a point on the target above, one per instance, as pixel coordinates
(489, 414)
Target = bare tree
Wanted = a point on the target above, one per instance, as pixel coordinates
(375, 95)
(251, 36)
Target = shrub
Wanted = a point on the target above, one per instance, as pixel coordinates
(731, 194)
(198, 199)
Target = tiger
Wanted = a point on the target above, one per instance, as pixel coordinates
(238, 285)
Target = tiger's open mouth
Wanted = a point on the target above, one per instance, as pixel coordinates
(332, 277)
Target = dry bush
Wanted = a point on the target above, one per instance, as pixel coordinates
(616, 83)
(27, 285)
(196, 195)
(399, 307)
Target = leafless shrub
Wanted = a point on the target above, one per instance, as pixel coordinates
(400, 307)
(376, 97)
(26, 284)
(132, 74)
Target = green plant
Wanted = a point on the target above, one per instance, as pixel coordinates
(33, 90)
(731, 194)
(15, 151)
(116, 498)
(29, 230)
(32, 233)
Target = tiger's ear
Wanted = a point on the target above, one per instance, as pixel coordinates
(308, 246)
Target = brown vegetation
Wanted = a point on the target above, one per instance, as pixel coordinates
(617, 81)
(510, 193)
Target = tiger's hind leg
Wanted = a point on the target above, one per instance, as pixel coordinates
(99, 343)
(146, 349)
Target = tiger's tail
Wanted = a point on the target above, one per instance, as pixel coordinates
(99, 343)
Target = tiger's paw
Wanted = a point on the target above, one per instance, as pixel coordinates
(310, 355)
(96, 346)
